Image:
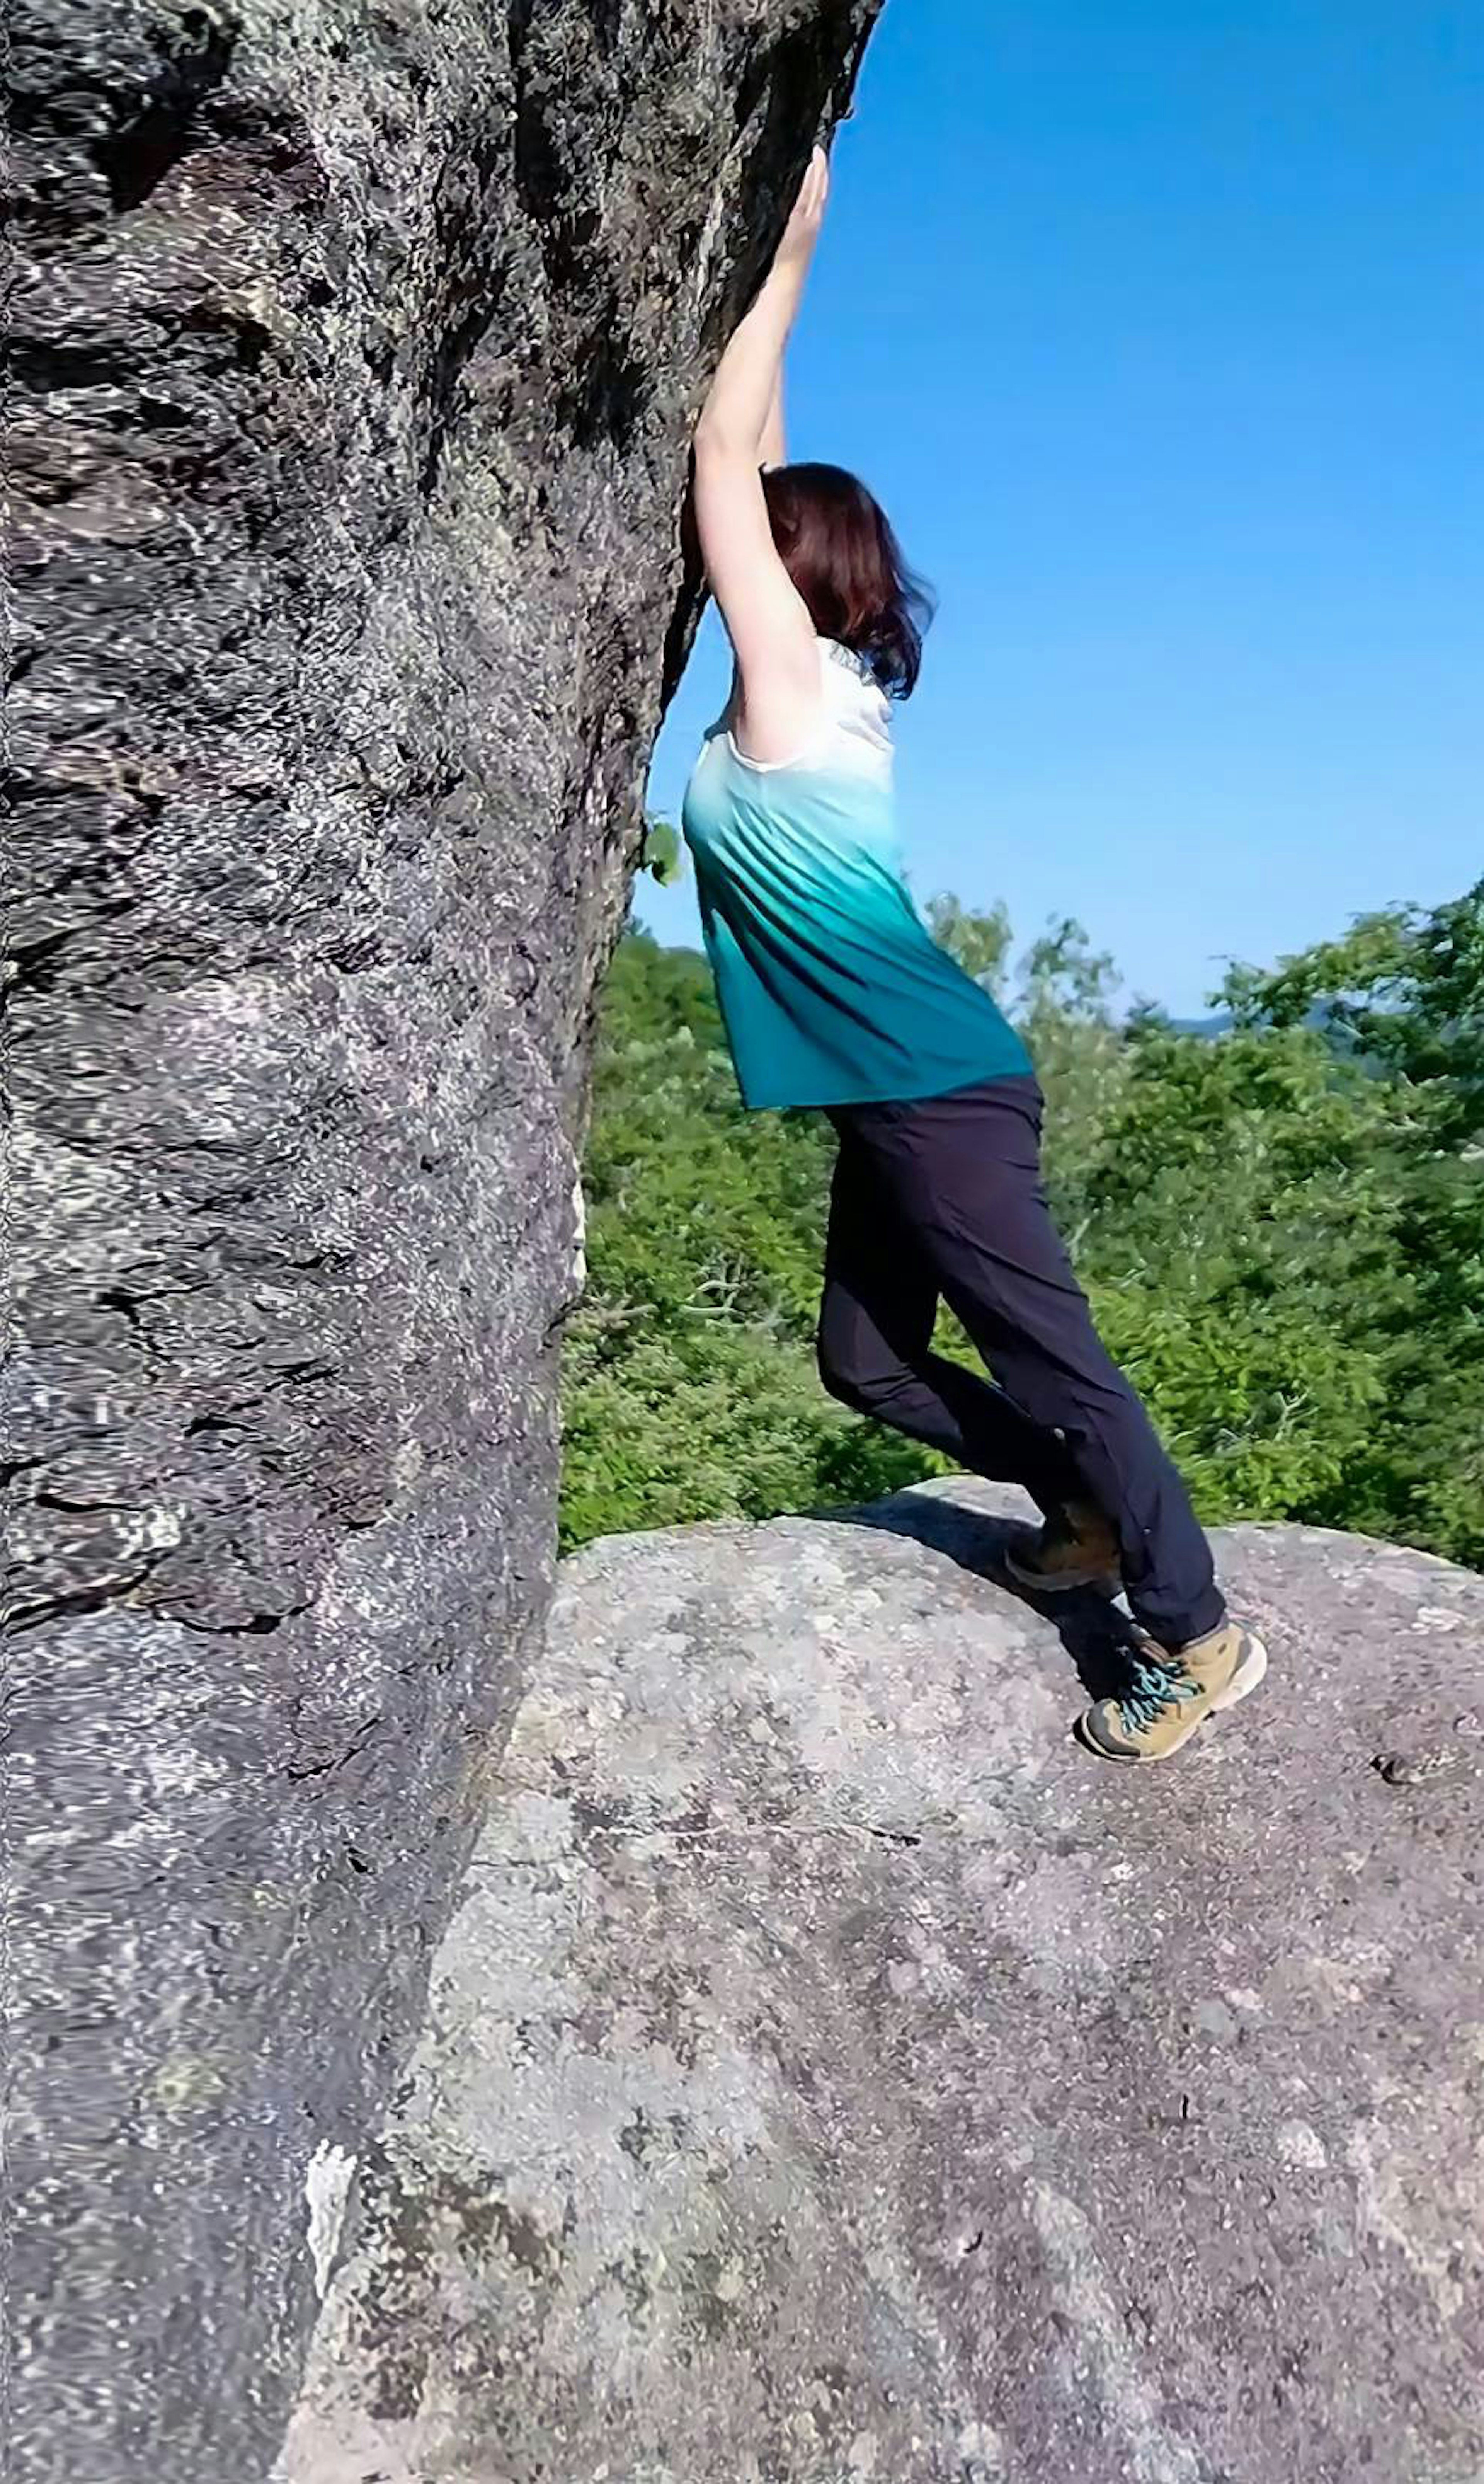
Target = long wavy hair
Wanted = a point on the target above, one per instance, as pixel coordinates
(837, 545)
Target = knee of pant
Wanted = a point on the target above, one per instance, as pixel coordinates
(842, 1378)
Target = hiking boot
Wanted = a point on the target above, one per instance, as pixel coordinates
(1171, 1693)
(1076, 1548)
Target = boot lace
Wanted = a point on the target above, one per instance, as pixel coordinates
(1156, 1683)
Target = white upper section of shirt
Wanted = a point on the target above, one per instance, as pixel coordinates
(855, 728)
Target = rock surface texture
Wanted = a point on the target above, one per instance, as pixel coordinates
(359, 346)
(835, 2074)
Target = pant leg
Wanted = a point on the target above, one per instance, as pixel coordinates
(876, 1345)
(964, 1175)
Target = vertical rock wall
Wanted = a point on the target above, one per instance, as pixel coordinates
(356, 349)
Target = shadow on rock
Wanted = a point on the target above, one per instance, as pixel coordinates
(1097, 1637)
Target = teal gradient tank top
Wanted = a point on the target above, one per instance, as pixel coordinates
(831, 987)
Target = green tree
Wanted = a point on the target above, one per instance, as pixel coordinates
(1406, 989)
(980, 942)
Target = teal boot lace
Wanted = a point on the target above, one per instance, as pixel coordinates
(1153, 1687)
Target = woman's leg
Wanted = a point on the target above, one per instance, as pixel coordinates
(963, 1175)
(875, 1343)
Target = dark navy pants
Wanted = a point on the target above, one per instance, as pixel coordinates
(944, 1200)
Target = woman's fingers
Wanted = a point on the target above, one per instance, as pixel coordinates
(803, 224)
(816, 187)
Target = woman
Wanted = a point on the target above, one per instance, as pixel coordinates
(835, 996)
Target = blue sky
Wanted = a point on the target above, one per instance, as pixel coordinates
(1158, 328)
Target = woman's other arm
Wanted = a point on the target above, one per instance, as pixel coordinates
(772, 448)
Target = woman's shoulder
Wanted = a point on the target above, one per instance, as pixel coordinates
(854, 697)
(854, 726)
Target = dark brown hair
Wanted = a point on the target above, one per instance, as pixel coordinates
(835, 543)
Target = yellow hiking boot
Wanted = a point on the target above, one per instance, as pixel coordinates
(1172, 1693)
(1076, 1548)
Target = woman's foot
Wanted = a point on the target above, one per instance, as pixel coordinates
(1171, 1694)
(1075, 1548)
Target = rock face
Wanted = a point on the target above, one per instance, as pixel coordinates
(360, 347)
(833, 2073)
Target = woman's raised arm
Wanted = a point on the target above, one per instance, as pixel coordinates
(740, 429)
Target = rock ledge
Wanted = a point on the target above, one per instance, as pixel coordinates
(832, 2072)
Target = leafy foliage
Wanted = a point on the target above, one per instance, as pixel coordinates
(1282, 1230)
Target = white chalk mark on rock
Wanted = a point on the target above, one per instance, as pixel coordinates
(327, 2188)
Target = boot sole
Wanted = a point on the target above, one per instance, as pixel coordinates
(1248, 1673)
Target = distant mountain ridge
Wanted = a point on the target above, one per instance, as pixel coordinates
(1321, 1016)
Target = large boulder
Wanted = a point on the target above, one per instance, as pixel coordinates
(834, 2072)
(359, 347)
